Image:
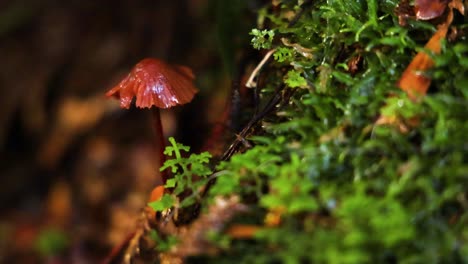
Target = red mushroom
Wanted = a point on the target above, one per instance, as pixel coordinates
(156, 83)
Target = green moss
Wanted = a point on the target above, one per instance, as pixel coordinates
(351, 191)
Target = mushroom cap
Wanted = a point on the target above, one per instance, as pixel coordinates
(157, 83)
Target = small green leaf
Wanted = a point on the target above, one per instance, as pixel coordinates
(170, 183)
(294, 79)
(225, 184)
(283, 54)
(166, 202)
(262, 39)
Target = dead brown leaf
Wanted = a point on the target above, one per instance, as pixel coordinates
(414, 80)
(429, 9)
(404, 11)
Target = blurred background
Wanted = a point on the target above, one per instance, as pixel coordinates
(76, 169)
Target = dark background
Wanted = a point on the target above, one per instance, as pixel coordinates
(71, 160)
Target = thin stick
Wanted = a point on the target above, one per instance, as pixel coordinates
(250, 82)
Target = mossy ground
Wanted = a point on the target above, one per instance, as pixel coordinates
(345, 189)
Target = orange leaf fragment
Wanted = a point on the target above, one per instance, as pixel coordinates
(157, 193)
(458, 5)
(413, 81)
(273, 217)
(242, 231)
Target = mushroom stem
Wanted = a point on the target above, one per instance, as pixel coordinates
(161, 144)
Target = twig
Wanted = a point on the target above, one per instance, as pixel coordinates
(130, 246)
(250, 82)
(133, 247)
(255, 119)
